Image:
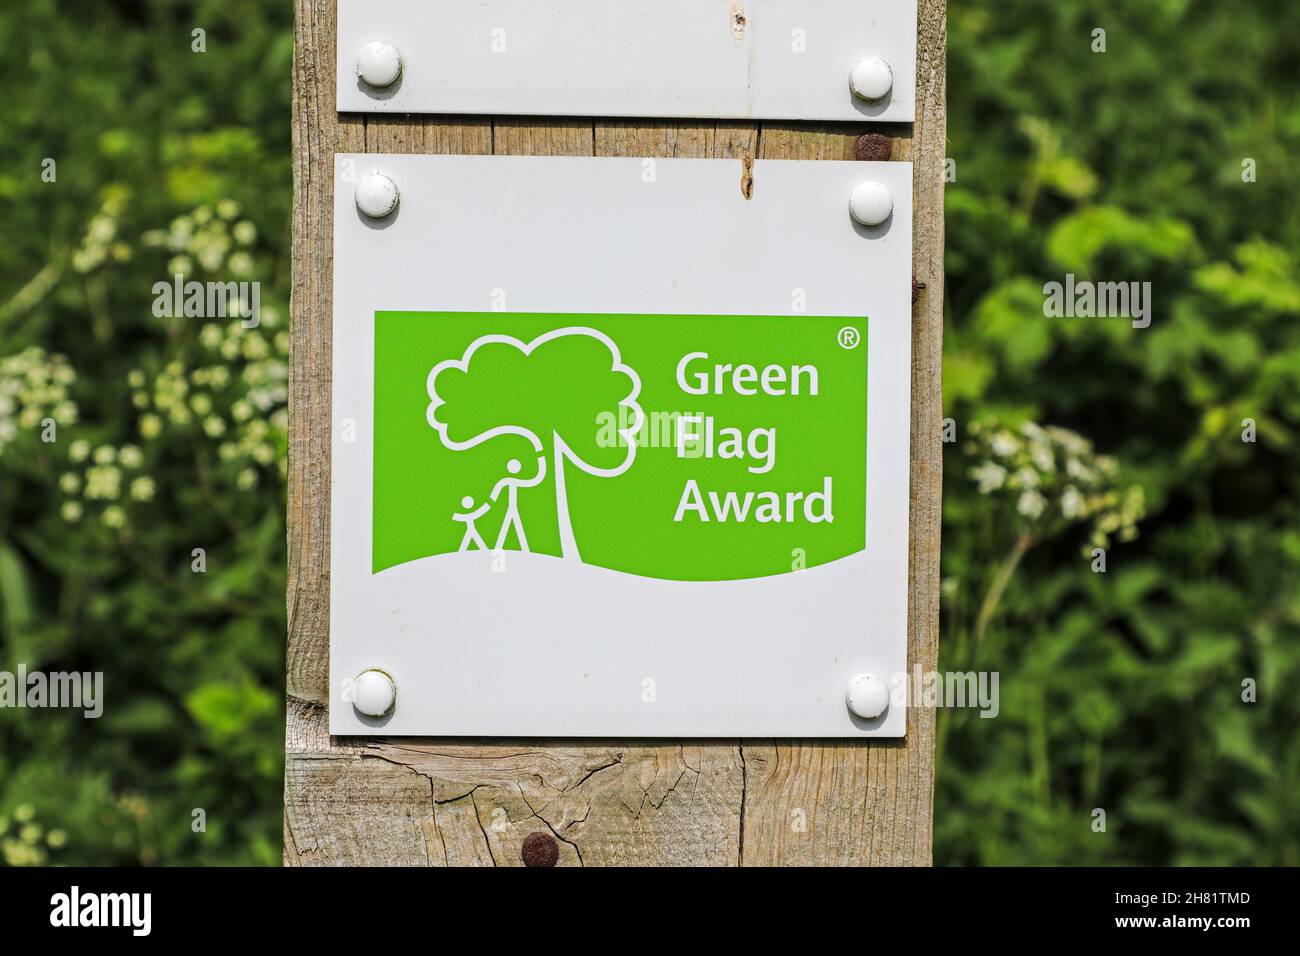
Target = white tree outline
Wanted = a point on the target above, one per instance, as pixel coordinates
(568, 546)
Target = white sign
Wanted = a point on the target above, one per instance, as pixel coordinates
(620, 449)
(753, 59)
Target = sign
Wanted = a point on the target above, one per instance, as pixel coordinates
(616, 456)
(757, 59)
(635, 443)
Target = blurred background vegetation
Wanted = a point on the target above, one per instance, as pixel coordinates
(1120, 691)
(1123, 690)
(168, 161)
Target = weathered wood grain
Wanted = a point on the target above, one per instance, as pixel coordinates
(403, 801)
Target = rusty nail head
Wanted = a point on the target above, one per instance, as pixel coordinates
(872, 148)
(540, 849)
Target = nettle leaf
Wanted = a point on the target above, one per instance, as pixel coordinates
(1206, 653)
(141, 716)
(1079, 240)
(1235, 736)
(229, 710)
(1131, 585)
(1010, 318)
(1265, 278)
(17, 602)
(965, 376)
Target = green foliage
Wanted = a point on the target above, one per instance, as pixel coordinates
(1123, 690)
(1119, 690)
(170, 431)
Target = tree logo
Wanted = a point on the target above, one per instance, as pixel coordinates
(550, 392)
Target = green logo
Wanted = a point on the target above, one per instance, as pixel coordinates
(693, 448)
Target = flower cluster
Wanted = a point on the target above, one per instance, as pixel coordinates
(1052, 477)
(104, 480)
(34, 386)
(236, 395)
(24, 842)
(216, 240)
(100, 244)
(221, 394)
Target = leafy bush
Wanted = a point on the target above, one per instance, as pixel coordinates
(1123, 691)
(146, 540)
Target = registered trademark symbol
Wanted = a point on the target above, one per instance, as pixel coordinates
(849, 337)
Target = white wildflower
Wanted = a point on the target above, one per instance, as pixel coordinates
(103, 483)
(131, 456)
(1031, 504)
(1025, 478)
(142, 489)
(1073, 504)
(990, 477)
(1005, 444)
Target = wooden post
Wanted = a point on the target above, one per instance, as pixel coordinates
(422, 801)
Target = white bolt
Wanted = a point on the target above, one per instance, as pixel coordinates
(871, 203)
(376, 195)
(379, 64)
(373, 693)
(867, 696)
(871, 79)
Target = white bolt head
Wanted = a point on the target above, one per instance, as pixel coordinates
(376, 195)
(867, 696)
(871, 79)
(379, 64)
(373, 693)
(871, 203)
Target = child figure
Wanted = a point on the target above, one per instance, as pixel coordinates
(469, 516)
